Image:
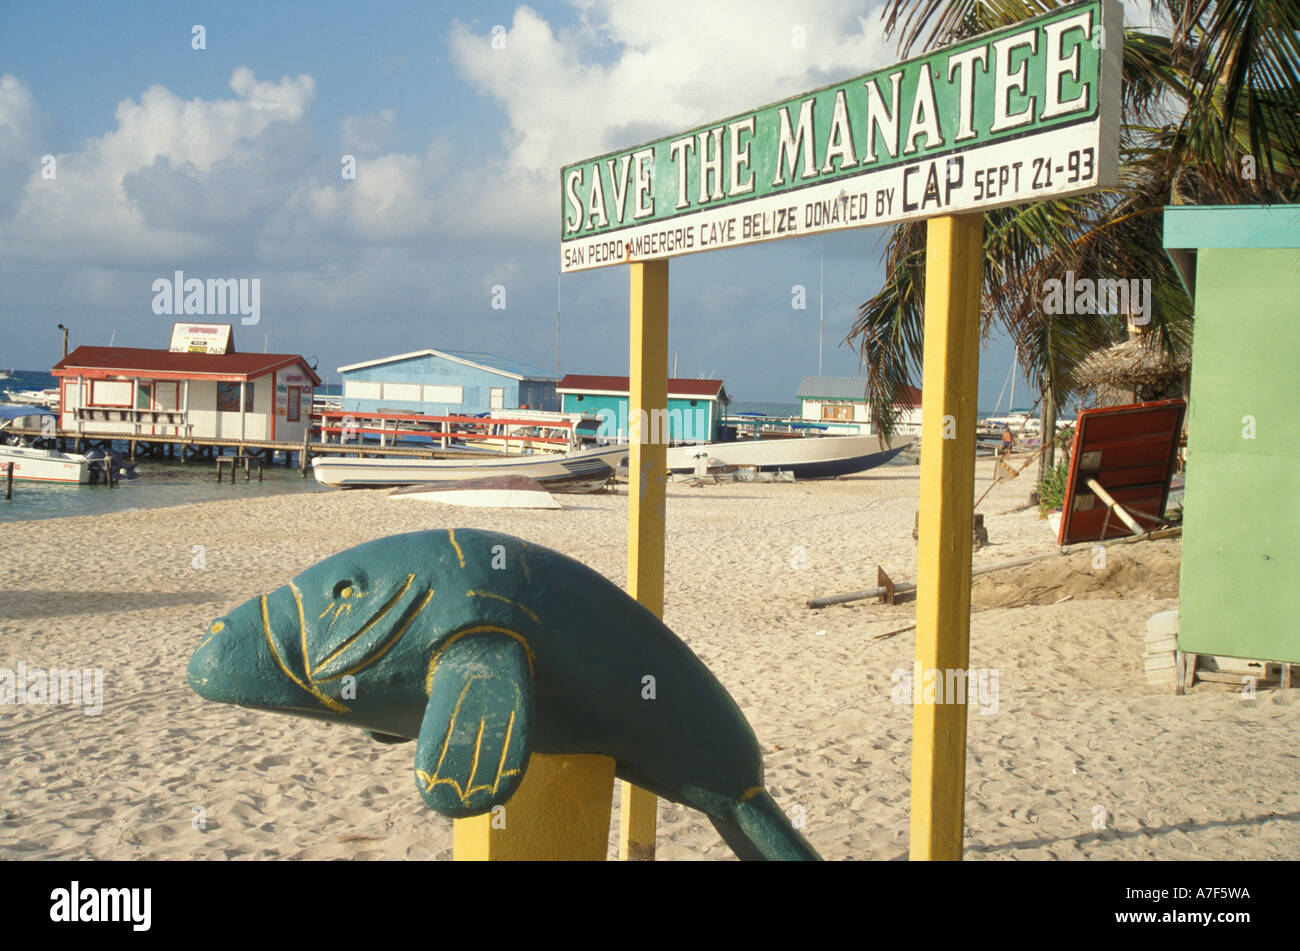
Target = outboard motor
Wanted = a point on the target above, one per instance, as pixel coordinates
(97, 458)
(104, 461)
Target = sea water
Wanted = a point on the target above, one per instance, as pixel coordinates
(160, 482)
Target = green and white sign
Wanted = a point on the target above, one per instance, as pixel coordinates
(1023, 113)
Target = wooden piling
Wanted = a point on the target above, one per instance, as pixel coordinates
(9, 481)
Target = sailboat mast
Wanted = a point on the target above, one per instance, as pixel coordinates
(1015, 360)
(821, 310)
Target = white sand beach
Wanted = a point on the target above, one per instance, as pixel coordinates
(1079, 758)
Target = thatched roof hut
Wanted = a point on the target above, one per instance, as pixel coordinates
(1133, 371)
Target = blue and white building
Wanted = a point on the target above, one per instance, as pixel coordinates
(840, 403)
(445, 383)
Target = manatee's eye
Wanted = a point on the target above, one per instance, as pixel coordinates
(344, 590)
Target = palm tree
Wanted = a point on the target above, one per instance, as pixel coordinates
(1203, 109)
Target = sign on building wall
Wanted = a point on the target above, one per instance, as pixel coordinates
(202, 338)
(292, 389)
(1027, 112)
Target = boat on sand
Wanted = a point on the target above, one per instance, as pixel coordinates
(812, 457)
(584, 471)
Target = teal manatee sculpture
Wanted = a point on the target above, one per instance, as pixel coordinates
(483, 648)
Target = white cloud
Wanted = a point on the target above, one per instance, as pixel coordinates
(680, 62)
(368, 135)
(237, 183)
(165, 180)
(22, 127)
(214, 177)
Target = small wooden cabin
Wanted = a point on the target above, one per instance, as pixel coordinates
(841, 403)
(138, 392)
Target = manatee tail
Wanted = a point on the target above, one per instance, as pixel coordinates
(756, 828)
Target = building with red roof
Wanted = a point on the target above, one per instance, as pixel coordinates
(195, 392)
(695, 407)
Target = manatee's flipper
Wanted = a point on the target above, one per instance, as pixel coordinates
(756, 828)
(387, 737)
(476, 733)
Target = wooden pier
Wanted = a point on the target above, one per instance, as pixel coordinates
(208, 449)
(502, 435)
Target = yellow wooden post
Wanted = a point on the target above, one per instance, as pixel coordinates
(562, 808)
(647, 468)
(953, 272)
(559, 812)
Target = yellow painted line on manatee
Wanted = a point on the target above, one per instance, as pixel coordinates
(275, 653)
(514, 604)
(365, 627)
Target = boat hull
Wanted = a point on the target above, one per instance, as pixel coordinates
(45, 465)
(814, 457)
(576, 472)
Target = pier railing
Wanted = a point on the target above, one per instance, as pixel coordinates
(496, 433)
(138, 420)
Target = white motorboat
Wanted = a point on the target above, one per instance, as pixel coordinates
(48, 397)
(32, 464)
(45, 465)
(22, 431)
(1017, 421)
(582, 471)
(812, 457)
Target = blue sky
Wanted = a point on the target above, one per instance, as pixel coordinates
(225, 162)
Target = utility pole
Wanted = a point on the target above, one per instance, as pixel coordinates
(821, 310)
(65, 339)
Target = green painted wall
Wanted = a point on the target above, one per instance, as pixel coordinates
(686, 423)
(1240, 586)
(593, 403)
